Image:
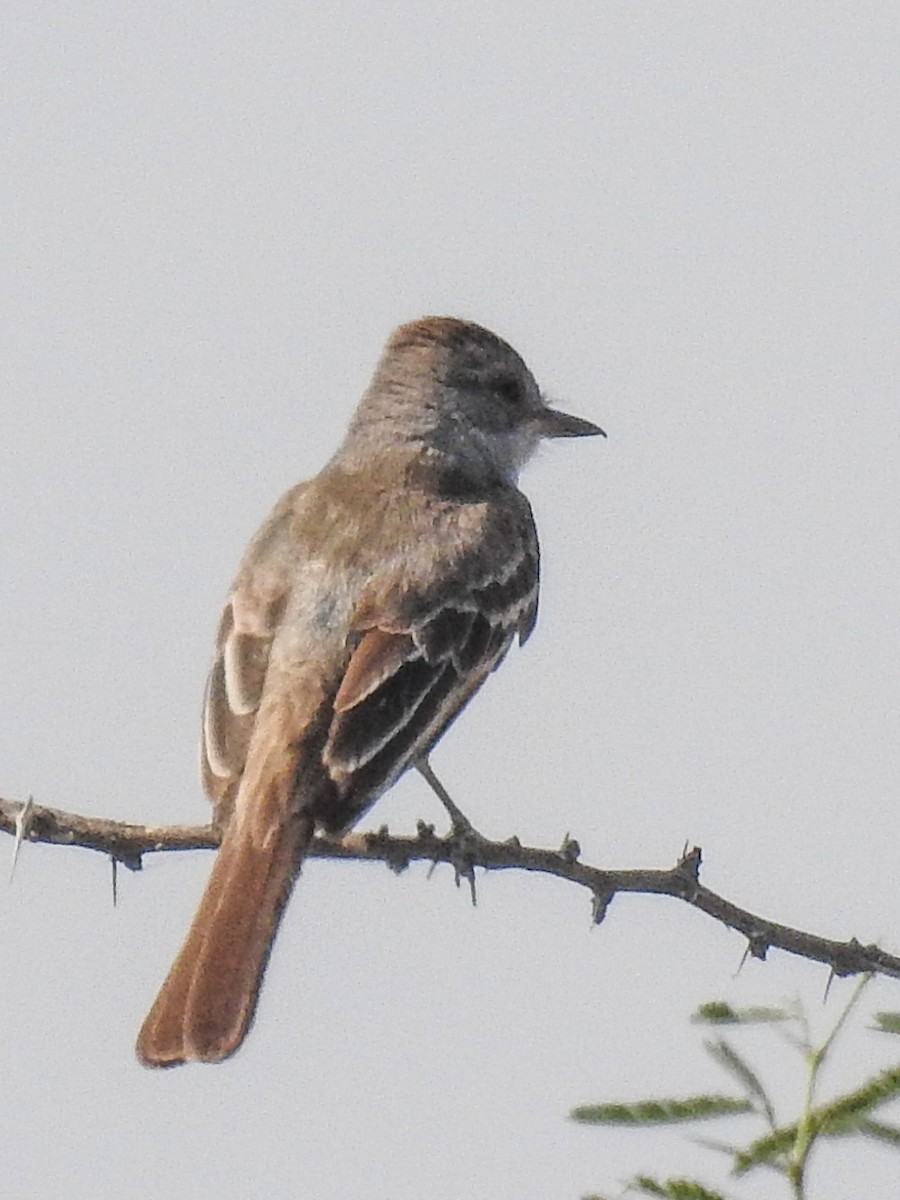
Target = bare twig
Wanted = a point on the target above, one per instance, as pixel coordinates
(127, 844)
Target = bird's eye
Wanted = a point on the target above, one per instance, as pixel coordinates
(509, 389)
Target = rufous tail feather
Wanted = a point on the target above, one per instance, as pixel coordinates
(206, 1005)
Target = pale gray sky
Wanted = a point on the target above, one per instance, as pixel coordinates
(685, 218)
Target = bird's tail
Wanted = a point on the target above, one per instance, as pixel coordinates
(206, 1005)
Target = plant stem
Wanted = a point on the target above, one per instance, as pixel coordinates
(806, 1131)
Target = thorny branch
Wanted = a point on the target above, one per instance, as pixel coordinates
(127, 844)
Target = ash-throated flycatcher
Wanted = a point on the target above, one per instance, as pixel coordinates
(370, 607)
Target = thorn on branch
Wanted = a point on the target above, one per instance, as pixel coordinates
(832, 975)
(570, 850)
(600, 906)
(129, 860)
(467, 872)
(394, 854)
(846, 962)
(24, 818)
(689, 863)
(460, 846)
(757, 944)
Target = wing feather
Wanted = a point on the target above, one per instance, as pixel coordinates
(413, 670)
(237, 676)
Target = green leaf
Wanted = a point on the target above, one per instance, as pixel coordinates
(674, 1189)
(878, 1090)
(887, 1022)
(879, 1132)
(718, 1012)
(648, 1186)
(766, 1149)
(660, 1112)
(726, 1056)
(844, 1115)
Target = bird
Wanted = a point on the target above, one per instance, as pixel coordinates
(367, 611)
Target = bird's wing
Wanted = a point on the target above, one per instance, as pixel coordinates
(423, 651)
(249, 621)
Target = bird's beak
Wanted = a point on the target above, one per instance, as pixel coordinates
(551, 423)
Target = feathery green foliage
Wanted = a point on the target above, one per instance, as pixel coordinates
(785, 1147)
(718, 1012)
(675, 1189)
(660, 1112)
(887, 1022)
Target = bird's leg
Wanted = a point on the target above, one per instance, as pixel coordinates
(459, 822)
(462, 832)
